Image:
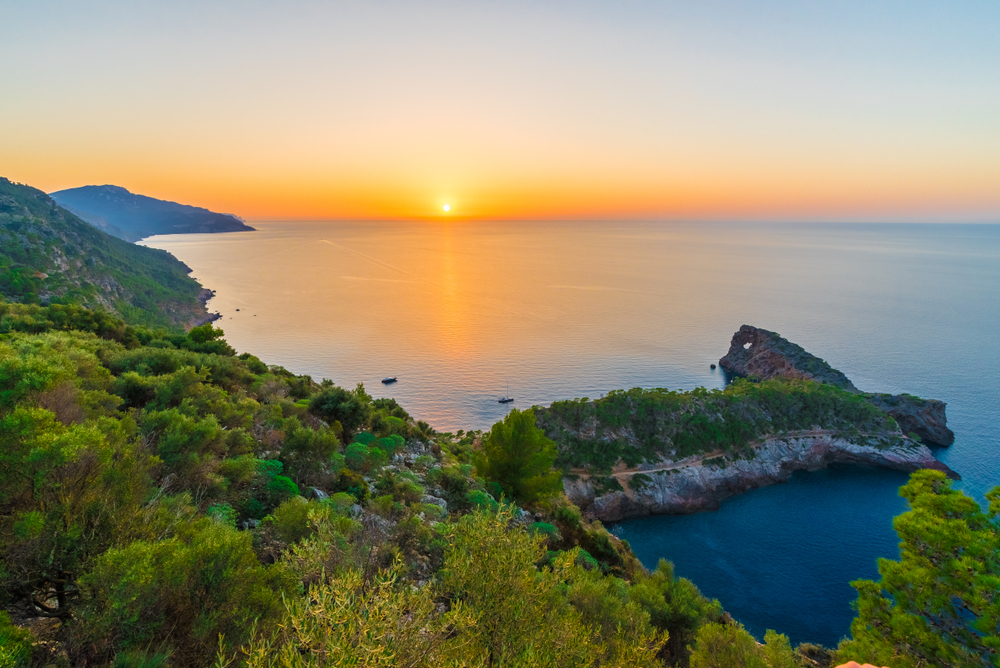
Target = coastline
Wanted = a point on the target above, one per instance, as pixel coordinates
(697, 484)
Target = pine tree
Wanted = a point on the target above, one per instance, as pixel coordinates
(519, 457)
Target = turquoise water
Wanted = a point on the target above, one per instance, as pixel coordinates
(563, 310)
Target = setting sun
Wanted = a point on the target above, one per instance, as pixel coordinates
(446, 208)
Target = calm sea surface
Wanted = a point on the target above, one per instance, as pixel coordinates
(559, 310)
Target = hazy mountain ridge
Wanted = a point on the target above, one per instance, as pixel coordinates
(130, 216)
(49, 255)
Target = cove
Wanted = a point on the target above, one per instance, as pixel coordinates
(782, 557)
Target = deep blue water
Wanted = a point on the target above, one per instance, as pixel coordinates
(781, 557)
(563, 310)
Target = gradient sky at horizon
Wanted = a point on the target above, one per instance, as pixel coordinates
(777, 110)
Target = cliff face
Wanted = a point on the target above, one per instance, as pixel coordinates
(761, 354)
(693, 486)
(758, 353)
(923, 417)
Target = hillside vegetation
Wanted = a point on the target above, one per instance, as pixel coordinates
(165, 503)
(645, 426)
(163, 500)
(50, 256)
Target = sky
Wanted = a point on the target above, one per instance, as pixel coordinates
(635, 109)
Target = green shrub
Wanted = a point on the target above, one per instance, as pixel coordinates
(356, 456)
(352, 483)
(239, 470)
(181, 592)
(551, 533)
(340, 502)
(15, 644)
(335, 404)
(222, 512)
(519, 457)
(585, 560)
(478, 499)
(569, 516)
(253, 363)
(281, 487)
(383, 505)
(391, 444)
(296, 518)
(365, 438)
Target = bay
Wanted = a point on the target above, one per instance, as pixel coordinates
(557, 310)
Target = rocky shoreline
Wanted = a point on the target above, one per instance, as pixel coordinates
(203, 297)
(678, 488)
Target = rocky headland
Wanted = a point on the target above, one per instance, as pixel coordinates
(632, 454)
(761, 354)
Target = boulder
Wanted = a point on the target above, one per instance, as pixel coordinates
(435, 501)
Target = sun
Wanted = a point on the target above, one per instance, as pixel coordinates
(446, 208)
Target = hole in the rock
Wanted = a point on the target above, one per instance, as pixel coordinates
(746, 346)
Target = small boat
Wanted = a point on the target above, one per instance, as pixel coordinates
(389, 379)
(506, 399)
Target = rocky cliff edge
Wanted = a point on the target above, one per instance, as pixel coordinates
(694, 485)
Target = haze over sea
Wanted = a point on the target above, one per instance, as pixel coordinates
(562, 310)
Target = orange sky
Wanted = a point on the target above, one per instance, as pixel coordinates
(563, 110)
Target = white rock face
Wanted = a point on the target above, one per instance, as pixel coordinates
(693, 488)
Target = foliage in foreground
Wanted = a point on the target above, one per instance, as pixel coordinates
(490, 607)
(162, 499)
(937, 605)
(153, 503)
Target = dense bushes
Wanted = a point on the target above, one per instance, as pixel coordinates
(644, 425)
(178, 595)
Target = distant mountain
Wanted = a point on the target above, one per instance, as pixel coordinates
(132, 217)
(49, 256)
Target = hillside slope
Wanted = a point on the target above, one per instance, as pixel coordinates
(128, 216)
(48, 255)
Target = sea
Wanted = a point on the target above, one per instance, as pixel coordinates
(462, 313)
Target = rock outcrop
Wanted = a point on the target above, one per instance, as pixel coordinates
(758, 353)
(762, 354)
(675, 488)
(923, 417)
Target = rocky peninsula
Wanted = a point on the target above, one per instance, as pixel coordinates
(642, 452)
